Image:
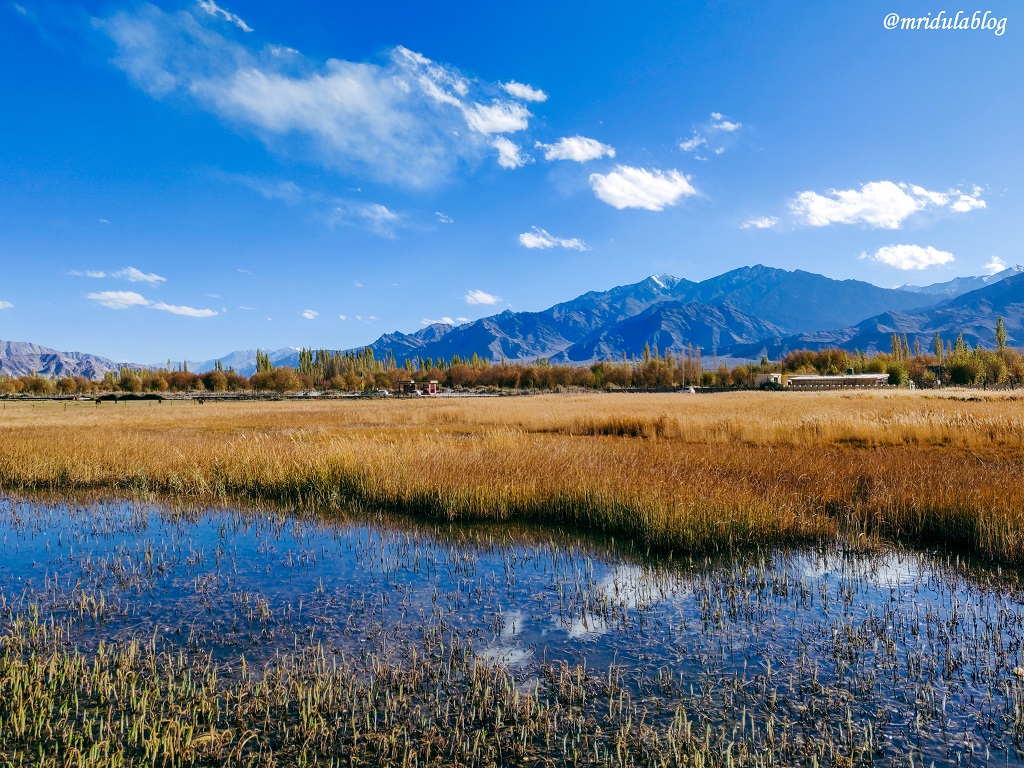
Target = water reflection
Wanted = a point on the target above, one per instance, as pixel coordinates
(921, 648)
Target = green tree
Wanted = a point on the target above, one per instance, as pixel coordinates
(1000, 334)
(959, 346)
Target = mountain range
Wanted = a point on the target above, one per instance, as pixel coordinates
(19, 358)
(743, 314)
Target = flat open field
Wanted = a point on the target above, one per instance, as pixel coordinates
(674, 472)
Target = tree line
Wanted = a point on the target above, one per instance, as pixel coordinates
(938, 363)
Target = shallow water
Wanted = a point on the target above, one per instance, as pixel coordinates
(917, 655)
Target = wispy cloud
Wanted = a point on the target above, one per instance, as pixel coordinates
(131, 274)
(214, 10)
(694, 143)
(760, 222)
(628, 187)
(178, 309)
(378, 218)
(445, 320)
(524, 92)
(577, 148)
(310, 314)
(879, 204)
(497, 117)
(119, 299)
(333, 210)
(909, 257)
(6, 305)
(444, 218)
(408, 121)
(719, 122)
(541, 238)
(716, 136)
(126, 299)
(482, 297)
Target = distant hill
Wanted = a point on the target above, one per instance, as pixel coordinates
(21, 358)
(974, 314)
(671, 326)
(244, 361)
(740, 315)
(800, 301)
(961, 285)
(759, 300)
(530, 335)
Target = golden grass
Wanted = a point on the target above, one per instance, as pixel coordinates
(674, 472)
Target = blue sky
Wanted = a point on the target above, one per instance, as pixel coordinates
(183, 179)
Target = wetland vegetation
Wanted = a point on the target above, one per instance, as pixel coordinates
(134, 634)
(668, 580)
(674, 473)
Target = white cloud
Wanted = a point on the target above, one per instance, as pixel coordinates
(403, 121)
(481, 297)
(498, 117)
(720, 123)
(966, 203)
(761, 222)
(694, 143)
(509, 155)
(718, 133)
(133, 275)
(445, 320)
(310, 314)
(126, 299)
(541, 238)
(119, 299)
(628, 187)
(577, 148)
(286, 191)
(995, 265)
(342, 317)
(214, 10)
(176, 309)
(6, 305)
(444, 218)
(378, 218)
(244, 271)
(909, 256)
(357, 284)
(523, 91)
(879, 204)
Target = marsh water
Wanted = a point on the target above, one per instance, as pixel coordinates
(916, 657)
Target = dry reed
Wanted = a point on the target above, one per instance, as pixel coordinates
(673, 472)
